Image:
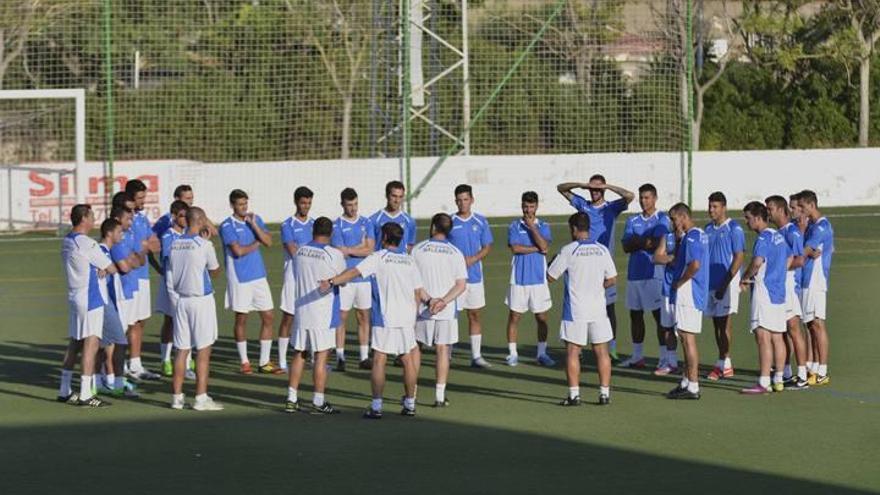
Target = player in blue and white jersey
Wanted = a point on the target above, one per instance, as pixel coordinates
(393, 212)
(664, 259)
(588, 269)
(84, 265)
(766, 274)
(163, 303)
(296, 231)
(247, 289)
(354, 236)
(529, 239)
(689, 295)
(777, 209)
(602, 217)
(819, 250)
(472, 235)
(727, 244)
(190, 265)
(644, 281)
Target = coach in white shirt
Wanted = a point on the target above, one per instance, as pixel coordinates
(191, 264)
(588, 270)
(397, 287)
(444, 273)
(84, 263)
(316, 313)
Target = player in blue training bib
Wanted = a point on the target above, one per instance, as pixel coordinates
(818, 251)
(393, 212)
(602, 216)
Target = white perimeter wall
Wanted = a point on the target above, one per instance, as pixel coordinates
(841, 177)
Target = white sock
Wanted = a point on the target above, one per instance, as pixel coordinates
(135, 365)
(85, 386)
(764, 381)
(823, 370)
(291, 394)
(727, 364)
(574, 392)
(662, 355)
(637, 351)
(684, 382)
(242, 351)
(110, 380)
(409, 402)
(376, 405)
(815, 368)
(318, 399)
(119, 383)
(201, 398)
(693, 387)
(809, 365)
(340, 353)
(802, 372)
(511, 348)
(364, 352)
(786, 374)
(66, 378)
(177, 397)
(606, 391)
(165, 349)
(440, 392)
(542, 349)
(265, 351)
(476, 344)
(283, 344)
(778, 377)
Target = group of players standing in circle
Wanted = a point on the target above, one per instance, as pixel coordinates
(406, 295)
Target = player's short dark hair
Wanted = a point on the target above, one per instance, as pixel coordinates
(756, 209)
(395, 184)
(108, 226)
(530, 197)
(348, 194)
(179, 190)
(302, 192)
(777, 201)
(579, 222)
(808, 196)
(598, 177)
(441, 223)
(135, 186)
(648, 188)
(680, 209)
(323, 226)
(237, 194)
(178, 205)
(718, 197)
(794, 197)
(120, 198)
(392, 234)
(464, 188)
(78, 213)
(117, 211)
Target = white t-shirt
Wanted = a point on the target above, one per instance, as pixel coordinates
(315, 262)
(440, 264)
(82, 258)
(586, 266)
(395, 280)
(189, 260)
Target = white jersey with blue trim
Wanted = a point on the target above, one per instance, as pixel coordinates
(585, 266)
(440, 265)
(189, 260)
(395, 280)
(313, 263)
(82, 258)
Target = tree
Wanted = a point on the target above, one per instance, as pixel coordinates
(19, 21)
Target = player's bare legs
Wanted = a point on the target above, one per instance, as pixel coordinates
(820, 346)
(377, 375)
(410, 376)
(723, 339)
(239, 331)
(573, 365)
(442, 351)
(179, 370)
(603, 364)
(319, 372)
(512, 333)
(363, 321)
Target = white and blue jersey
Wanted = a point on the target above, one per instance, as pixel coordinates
(382, 217)
(725, 241)
(528, 269)
(641, 262)
(121, 252)
(771, 246)
(819, 236)
(669, 268)
(140, 226)
(112, 282)
(440, 265)
(314, 310)
(162, 225)
(585, 265)
(295, 231)
(470, 235)
(169, 236)
(245, 268)
(795, 241)
(602, 218)
(394, 279)
(189, 260)
(693, 246)
(347, 233)
(82, 258)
